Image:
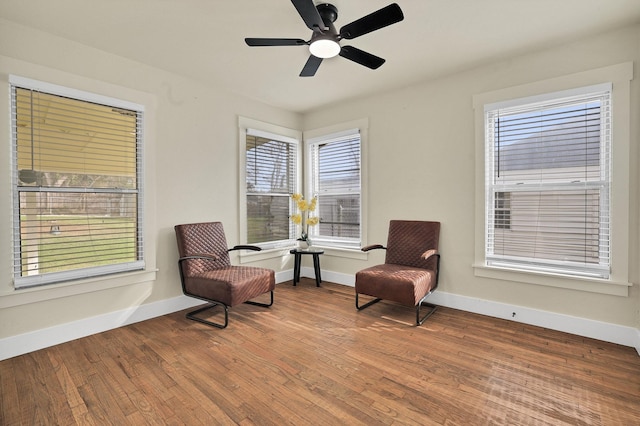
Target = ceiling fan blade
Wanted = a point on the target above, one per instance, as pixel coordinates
(310, 68)
(309, 14)
(274, 42)
(374, 21)
(360, 56)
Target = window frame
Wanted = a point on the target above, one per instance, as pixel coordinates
(312, 157)
(93, 272)
(254, 127)
(328, 133)
(498, 181)
(619, 76)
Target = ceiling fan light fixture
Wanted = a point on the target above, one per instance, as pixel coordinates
(324, 48)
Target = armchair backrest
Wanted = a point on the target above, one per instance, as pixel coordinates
(409, 239)
(205, 238)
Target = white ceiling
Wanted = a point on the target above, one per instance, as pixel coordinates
(204, 39)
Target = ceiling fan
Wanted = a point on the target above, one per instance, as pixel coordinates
(325, 40)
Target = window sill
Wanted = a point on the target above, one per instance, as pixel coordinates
(573, 283)
(255, 256)
(344, 253)
(72, 288)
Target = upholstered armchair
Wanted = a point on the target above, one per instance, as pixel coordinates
(206, 272)
(411, 269)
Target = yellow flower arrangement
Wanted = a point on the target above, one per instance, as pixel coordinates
(304, 218)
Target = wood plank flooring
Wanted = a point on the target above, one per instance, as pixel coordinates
(312, 359)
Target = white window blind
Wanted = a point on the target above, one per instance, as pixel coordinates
(548, 184)
(336, 181)
(270, 179)
(77, 192)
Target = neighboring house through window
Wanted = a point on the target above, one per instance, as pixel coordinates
(502, 210)
(550, 160)
(77, 184)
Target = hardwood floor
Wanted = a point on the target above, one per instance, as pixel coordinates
(312, 359)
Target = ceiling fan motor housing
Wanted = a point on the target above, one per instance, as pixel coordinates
(328, 13)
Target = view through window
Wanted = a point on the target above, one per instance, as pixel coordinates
(548, 183)
(270, 178)
(77, 187)
(335, 175)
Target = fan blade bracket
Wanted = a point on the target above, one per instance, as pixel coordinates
(309, 14)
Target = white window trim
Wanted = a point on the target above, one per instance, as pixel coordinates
(600, 270)
(21, 282)
(314, 135)
(620, 76)
(54, 278)
(9, 296)
(70, 92)
(259, 128)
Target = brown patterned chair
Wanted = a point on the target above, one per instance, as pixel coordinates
(206, 272)
(410, 272)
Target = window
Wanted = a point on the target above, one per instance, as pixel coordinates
(548, 183)
(270, 179)
(502, 210)
(335, 178)
(77, 188)
(270, 172)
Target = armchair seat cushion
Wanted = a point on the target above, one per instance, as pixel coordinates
(399, 283)
(231, 285)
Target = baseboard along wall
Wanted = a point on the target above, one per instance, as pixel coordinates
(614, 333)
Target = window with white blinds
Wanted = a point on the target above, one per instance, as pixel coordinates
(335, 178)
(270, 178)
(548, 182)
(77, 187)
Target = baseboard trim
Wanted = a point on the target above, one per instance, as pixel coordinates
(614, 333)
(330, 276)
(40, 339)
(51, 336)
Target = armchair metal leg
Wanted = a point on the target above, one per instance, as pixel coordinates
(366, 305)
(419, 320)
(264, 305)
(191, 315)
(432, 309)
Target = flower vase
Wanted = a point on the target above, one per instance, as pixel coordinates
(304, 244)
